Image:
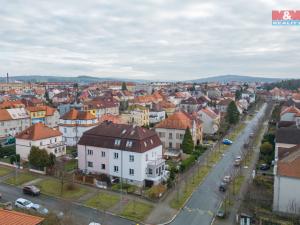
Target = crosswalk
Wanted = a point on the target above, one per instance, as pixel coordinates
(197, 210)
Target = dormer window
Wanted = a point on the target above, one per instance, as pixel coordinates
(129, 144)
(117, 142)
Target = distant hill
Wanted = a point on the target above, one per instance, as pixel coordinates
(62, 78)
(237, 78)
(291, 84)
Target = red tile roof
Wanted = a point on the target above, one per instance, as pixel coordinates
(4, 115)
(111, 118)
(49, 110)
(209, 112)
(38, 131)
(178, 120)
(17, 218)
(74, 114)
(291, 109)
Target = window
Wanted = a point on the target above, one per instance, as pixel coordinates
(131, 158)
(129, 144)
(90, 152)
(170, 136)
(146, 157)
(131, 171)
(177, 136)
(41, 143)
(117, 142)
(90, 164)
(181, 136)
(116, 155)
(102, 166)
(156, 170)
(170, 144)
(150, 171)
(65, 130)
(116, 169)
(103, 154)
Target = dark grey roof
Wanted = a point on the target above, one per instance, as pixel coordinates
(286, 124)
(105, 134)
(288, 135)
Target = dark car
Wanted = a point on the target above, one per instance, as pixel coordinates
(31, 190)
(223, 187)
(264, 167)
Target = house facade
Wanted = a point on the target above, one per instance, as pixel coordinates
(44, 114)
(41, 136)
(74, 123)
(171, 130)
(131, 153)
(287, 170)
(101, 106)
(13, 121)
(210, 119)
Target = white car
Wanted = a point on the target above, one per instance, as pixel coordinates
(227, 179)
(94, 223)
(23, 203)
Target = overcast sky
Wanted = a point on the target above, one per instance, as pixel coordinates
(139, 39)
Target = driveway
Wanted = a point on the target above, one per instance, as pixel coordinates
(204, 203)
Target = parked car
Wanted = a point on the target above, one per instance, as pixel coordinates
(264, 167)
(31, 190)
(227, 142)
(237, 162)
(223, 187)
(227, 179)
(94, 223)
(39, 209)
(221, 213)
(23, 203)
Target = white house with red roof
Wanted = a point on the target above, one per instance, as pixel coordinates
(41, 136)
(291, 113)
(74, 123)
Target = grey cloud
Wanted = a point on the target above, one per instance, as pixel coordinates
(156, 39)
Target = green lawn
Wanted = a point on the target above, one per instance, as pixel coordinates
(21, 179)
(53, 187)
(4, 171)
(124, 187)
(70, 165)
(6, 160)
(103, 201)
(136, 211)
(71, 149)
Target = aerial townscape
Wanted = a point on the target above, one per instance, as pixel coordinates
(114, 152)
(153, 112)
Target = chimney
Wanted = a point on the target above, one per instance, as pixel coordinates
(7, 78)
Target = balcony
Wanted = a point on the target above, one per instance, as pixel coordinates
(155, 169)
(56, 145)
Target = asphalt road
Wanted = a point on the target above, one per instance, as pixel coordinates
(205, 201)
(81, 215)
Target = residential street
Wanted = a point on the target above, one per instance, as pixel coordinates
(204, 203)
(82, 214)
